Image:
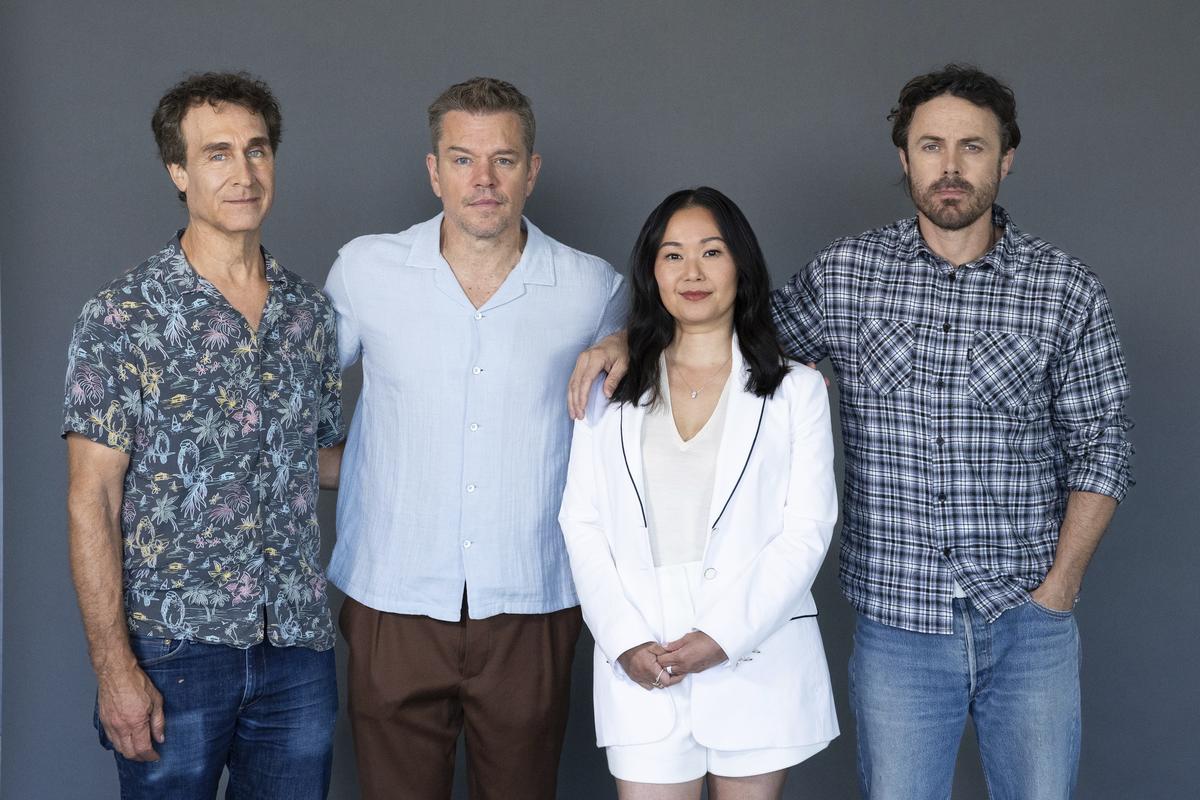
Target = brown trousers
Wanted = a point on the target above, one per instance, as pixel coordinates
(415, 682)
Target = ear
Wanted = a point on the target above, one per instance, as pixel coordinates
(903, 159)
(179, 176)
(535, 165)
(431, 165)
(1006, 162)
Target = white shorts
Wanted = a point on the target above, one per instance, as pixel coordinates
(679, 757)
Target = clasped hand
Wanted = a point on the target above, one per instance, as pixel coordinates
(652, 665)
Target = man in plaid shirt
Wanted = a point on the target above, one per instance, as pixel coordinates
(982, 402)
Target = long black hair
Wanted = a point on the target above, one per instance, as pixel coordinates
(651, 328)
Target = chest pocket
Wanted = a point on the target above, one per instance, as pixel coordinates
(885, 354)
(1005, 368)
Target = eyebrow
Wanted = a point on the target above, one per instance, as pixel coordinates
(929, 137)
(706, 240)
(257, 141)
(507, 151)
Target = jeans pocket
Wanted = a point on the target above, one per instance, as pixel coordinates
(1005, 368)
(152, 650)
(1054, 613)
(885, 354)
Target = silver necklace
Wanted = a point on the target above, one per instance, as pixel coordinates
(695, 392)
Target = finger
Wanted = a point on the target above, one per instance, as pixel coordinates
(158, 721)
(142, 746)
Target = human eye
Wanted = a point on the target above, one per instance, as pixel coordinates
(712, 251)
(505, 162)
(930, 147)
(672, 257)
(462, 160)
(257, 152)
(972, 147)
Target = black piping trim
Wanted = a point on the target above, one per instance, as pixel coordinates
(629, 472)
(738, 482)
(803, 616)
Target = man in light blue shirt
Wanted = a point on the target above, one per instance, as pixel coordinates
(460, 608)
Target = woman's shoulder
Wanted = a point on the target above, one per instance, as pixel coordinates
(599, 407)
(803, 379)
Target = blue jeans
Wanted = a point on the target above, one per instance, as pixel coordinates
(1017, 677)
(266, 713)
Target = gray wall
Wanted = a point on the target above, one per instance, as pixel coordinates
(780, 104)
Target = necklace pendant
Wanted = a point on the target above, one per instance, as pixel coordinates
(695, 394)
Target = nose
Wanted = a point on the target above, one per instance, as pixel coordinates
(485, 174)
(243, 175)
(950, 165)
(692, 269)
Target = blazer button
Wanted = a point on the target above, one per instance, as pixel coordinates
(709, 574)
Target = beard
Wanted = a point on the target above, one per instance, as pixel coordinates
(957, 213)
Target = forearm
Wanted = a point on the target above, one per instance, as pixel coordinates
(1087, 517)
(95, 553)
(329, 465)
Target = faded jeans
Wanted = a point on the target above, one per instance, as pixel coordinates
(1017, 677)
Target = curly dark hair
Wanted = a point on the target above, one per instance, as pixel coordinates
(213, 88)
(959, 80)
(651, 328)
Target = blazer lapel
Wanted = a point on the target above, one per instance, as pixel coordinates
(632, 418)
(743, 419)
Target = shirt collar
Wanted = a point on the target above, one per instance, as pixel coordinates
(182, 278)
(536, 264)
(1007, 256)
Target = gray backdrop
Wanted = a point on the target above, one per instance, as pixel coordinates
(781, 105)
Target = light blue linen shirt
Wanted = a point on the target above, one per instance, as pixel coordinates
(457, 455)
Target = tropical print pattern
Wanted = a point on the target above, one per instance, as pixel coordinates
(222, 425)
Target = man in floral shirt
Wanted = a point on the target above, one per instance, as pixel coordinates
(199, 387)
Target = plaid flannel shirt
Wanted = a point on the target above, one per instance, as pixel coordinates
(973, 401)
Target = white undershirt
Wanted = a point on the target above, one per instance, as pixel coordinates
(679, 478)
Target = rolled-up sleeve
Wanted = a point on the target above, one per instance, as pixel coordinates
(1089, 409)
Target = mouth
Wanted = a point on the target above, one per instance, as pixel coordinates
(484, 202)
(694, 296)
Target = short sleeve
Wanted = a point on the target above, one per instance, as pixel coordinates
(103, 396)
(348, 340)
(329, 425)
(615, 310)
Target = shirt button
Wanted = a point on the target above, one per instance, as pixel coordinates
(470, 487)
(478, 315)
(474, 426)
(946, 327)
(952, 277)
(940, 441)
(941, 384)
(709, 574)
(476, 370)
(467, 544)
(946, 552)
(941, 496)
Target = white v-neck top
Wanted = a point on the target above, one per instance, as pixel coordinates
(679, 478)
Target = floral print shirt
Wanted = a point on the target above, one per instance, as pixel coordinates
(222, 425)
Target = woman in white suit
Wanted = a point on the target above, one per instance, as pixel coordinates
(699, 505)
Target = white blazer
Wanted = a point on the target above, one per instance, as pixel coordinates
(773, 509)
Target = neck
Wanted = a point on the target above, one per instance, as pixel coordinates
(466, 253)
(224, 257)
(961, 246)
(700, 348)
